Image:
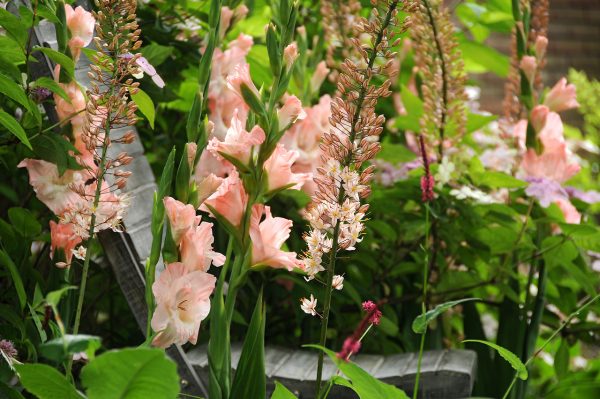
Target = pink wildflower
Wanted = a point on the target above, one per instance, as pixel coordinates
(561, 97)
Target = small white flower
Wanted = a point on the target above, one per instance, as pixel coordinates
(444, 173)
(79, 252)
(309, 306)
(338, 282)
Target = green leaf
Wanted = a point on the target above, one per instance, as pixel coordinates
(414, 110)
(51, 85)
(478, 121)
(365, 385)
(132, 373)
(59, 349)
(182, 178)
(7, 392)
(561, 360)
(156, 54)
(24, 222)
(510, 357)
(55, 149)
(282, 392)
(494, 179)
(420, 323)
(145, 105)
(46, 382)
(395, 153)
(54, 297)
(66, 63)
(480, 58)
(13, 26)
(14, 91)
(14, 127)
(250, 380)
(16, 278)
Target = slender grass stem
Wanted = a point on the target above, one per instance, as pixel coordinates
(424, 302)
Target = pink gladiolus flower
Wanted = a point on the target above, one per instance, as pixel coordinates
(63, 237)
(182, 217)
(239, 77)
(529, 67)
(81, 24)
(290, 53)
(569, 211)
(551, 164)
(73, 109)
(279, 169)
(321, 72)
(197, 250)
(226, 16)
(551, 135)
(211, 165)
(238, 142)
(290, 112)
(538, 117)
(191, 153)
(267, 238)
(561, 97)
(520, 133)
(229, 200)
(183, 301)
(206, 186)
(51, 188)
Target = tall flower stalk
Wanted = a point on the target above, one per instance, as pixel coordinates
(108, 108)
(336, 214)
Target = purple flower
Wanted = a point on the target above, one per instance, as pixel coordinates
(8, 349)
(545, 190)
(591, 197)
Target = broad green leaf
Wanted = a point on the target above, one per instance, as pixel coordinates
(132, 373)
(282, 392)
(7, 392)
(53, 86)
(156, 54)
(510, 357)
(420, 324)
(478, 121)
(145, 105)
(54, 297)
(10, 89)
(365, 385)
(494, 179)
(24, 222)
(16, 278)
(55, 149)
(249, 380)
(46, 382)
(66, 63)
(14, 127)
(414, 110)
(480, 58)
(58, 349)
(395, 153)
(561, 359)
(14, 26)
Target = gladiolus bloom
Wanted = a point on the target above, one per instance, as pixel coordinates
(229, 200)
(561, 97)
(569, 211)
(63, 237)
(238, 142)
(182, 217)
(290, 53)
(81, 24)
(267, 238)
(290, 112)
(279, 169)
(239, 77)
(183, 301)
(197, 250)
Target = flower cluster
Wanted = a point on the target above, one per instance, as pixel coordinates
(336, 214)
(352, 344)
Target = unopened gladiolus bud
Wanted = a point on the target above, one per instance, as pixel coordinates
(338, 282)
(290, 54)
(529, 67)
(191, 153)
(541, 43)
(561, 97)
(290, 112)
(538, 117)
(309, 306)
(321, 72)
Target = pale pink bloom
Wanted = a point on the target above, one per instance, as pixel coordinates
(191, 153)
(318, 77)
(183, 301)
(538, 116)
(309, 306)
(529, 67)
(197, 248)
(552, 164)
(63, 237)
(53, 190)
(229, 200)
(222, 101)
(239, 77)
(182, 217)
(79, 252)
(211, 165)
(81, 25)
(561, 97)
(267, 238)
(279, 170)
(73, 109)
(541, 43)
(569, 211)
(520, 133)
(551, 135)
(290, 112)
(206, 186)
(226, 16)
(290, 54)
(337, 282)
(238, 142)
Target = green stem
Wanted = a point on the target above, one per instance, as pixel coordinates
(554, 334)
(424, 302)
